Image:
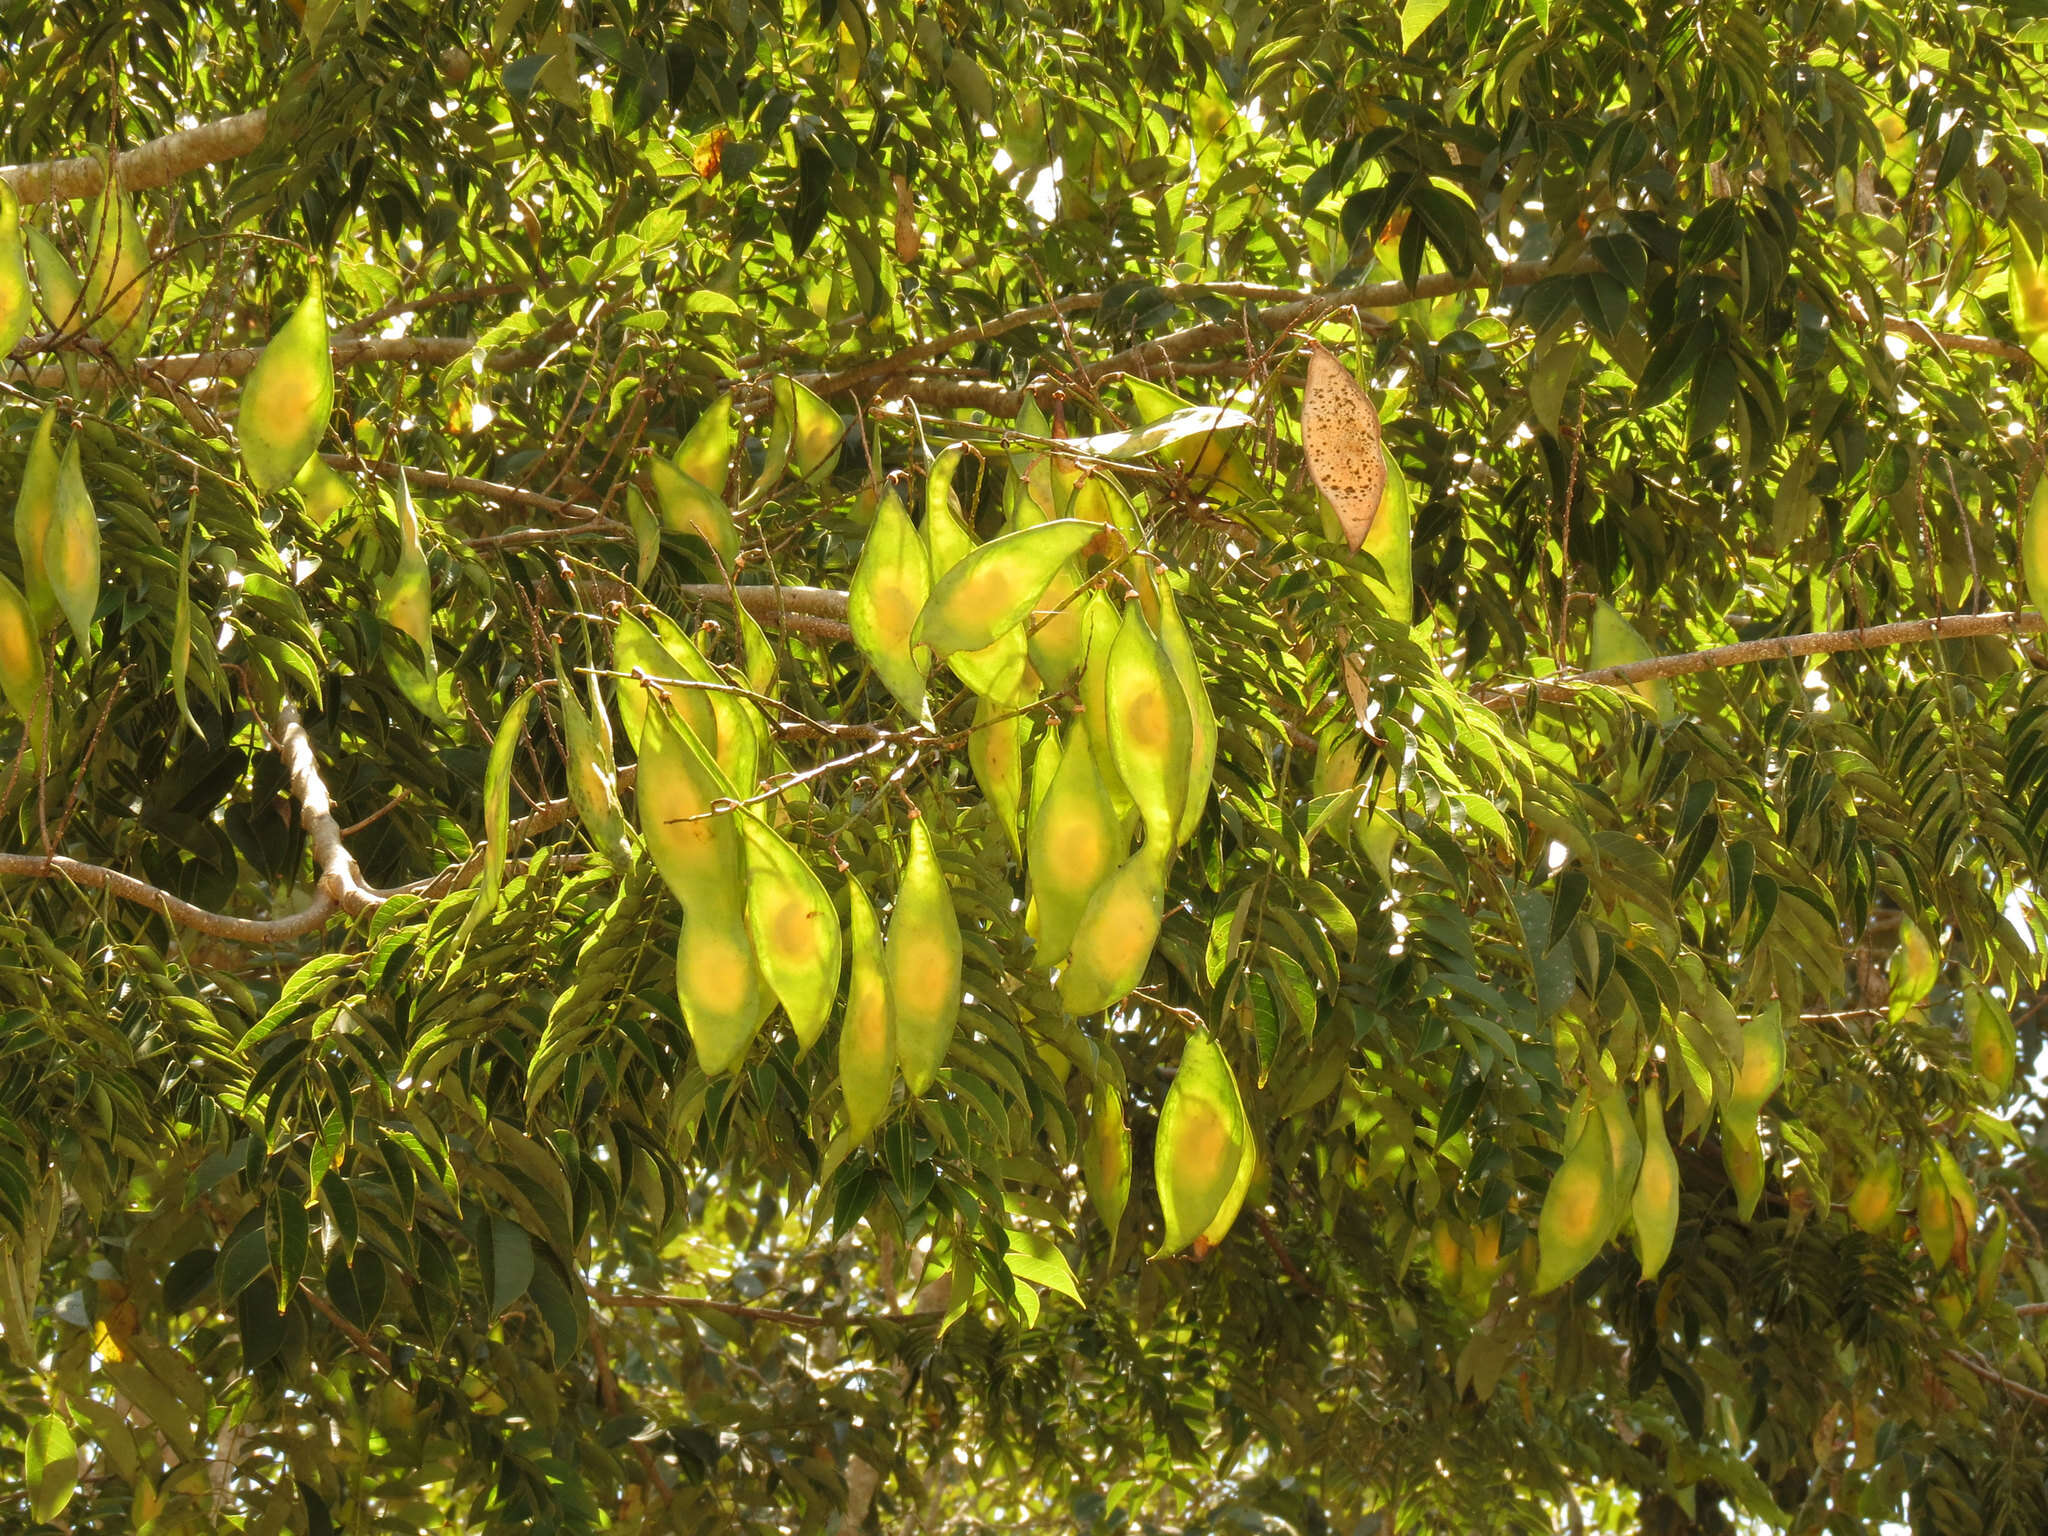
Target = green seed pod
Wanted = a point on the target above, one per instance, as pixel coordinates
(867, 1037)
(1202, 732)
(1073, 844)
(636, 647)
(1113, 944)
(1875, 1200)
(1994, 1048)
(706, 453)
(795, 931)
(288, 396)
(1762, 1066)
(1150, 735)
(1106, 1156)
(115, 292)
(1616, 643)
(1742, 1154)
(723, 1000)
(687, 507)
(884, 600)
(1579, 1206)
(71, 548)
(993, 589)
(995, 751)
(17, 303)
(1200, 1152)
(21, 661)
(1655, 1202)
(593, 770)
(923, 957)
(405, 603)
(63, 296)
(696, 850)
(35, 508)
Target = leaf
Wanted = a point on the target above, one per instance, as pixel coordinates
(1416, 18)
(49, 1468)
(1039, 1260)
(511, 1262)
(1340, 437)
(498, 805)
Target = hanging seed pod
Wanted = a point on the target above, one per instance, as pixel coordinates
(2027, 289)
(1962, 1206)
(923, 958)
(718, 985)
(1655, 1203)
(498, 806)
(1106, 1156)
(1616, 643)
(706, 453)
(2034, 545)
(884, 599)
(1226, 1214)
(593, 770)
(998, 673)
(63, 296)
(1390, 543)
(687, 507)
(1045, 766)
(636, 647)
(115, 292)
(1340, 438)
(1913, 970)
(1762, 1066)
(1199, 1151)
(795, 931)
(1102, 624)
(993, 589)
(181, 632)
(1118, 929)
(646, 536)
(1994, 1048)
(17, 303)
(803, 438)
(1150, 735)
(288, 396)
(405, 603)
(737, 735)
(1742, 1154)
(71, 547)
(1991, 1257)
(1202, 733)
(322, 492)
(35, 508)
(867, 1037)
(696, 850)
(1580, 1204)
(947, 540)
(1073, 844)
(995, 751)
(1875, 1200)
(1625, 1150)
(1213, 460)
(1057, 632)
(21, 662)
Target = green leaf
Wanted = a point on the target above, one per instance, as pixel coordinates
(50, 1468)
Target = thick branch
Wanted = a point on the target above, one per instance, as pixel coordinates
(2020, 1390)
(239, 930)
(155, 163)
(490, 490)
(339, 878)
(1954, 626)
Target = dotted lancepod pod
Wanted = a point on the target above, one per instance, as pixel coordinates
(796, 935)
(1874, 1202)
(1119, 928)
(35, 507)
(1072, 845)
(993, 589)
(593, 770)
(923, 956)
(1579, 1206)
(690, 508)
(288, 395)
(1202, 1144)
(1106, 1155)
(71, 547)
(867, 1034)
(1616, 643)
(115, 290)
(17, 302)
(1654, 1206)
(1151, 737)
(21, 661)
(884, 599)
(1341, 439)
(405, 603)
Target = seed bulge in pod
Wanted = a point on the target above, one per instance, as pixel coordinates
(1655, 1203)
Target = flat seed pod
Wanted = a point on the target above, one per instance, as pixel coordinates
(646, 536)
(1913, 970)
(946, 538)
(181, 633)
(1000, 671)
(1579, 1206)
(1389, 543)
(706, 453)
(21, 661)
(1199, 1151)
(1654, 1205)
(34, 509)
(1378, 829)
(1233, 1202)
(17, 302)
(718, 985)
(813, 429)
(884, 599)
(1340, 438)
(923, 957)
(1616, 643)
(2034, 545)
(405, 599)
(1991, 1258)
(1106, 1156)
(593, 771)
(689, 508)
(71, 547)
(1057, 629)
(1742, 1154)
(115, 292)
(1119, 927)
(1150, 735)
(1875, 1200)
(795, 931)
(1625, 1148)
(737, 735)
(993, 589)
(636, 647)
(498, 805)
(1073, 845)
(2027, 289)
(1202, 734)
(867, 1036)
(288, 396)
(697, 852)
(322, 492)
(1762, 1066)
(1994, 1049)
(1045, 766)
(1102, 624)
(995, 751)
(63, 296)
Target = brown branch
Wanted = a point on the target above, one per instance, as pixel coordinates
(489, 490)
(728, 1308)
(339, 878)
(2020, 1390)
(364, 1344)
(154, 163)
(217, 925)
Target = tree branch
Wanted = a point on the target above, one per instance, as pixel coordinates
(364, 1344)
(339, 879)
(728, 1308)
(154, 163)
(239, 930)
(2020, 1390)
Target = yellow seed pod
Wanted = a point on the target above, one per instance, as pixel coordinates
(867, 1036)
(322, 492)
(696, 848)
(995, 751)
(1991, 1258)
(115, 291)
(21, 661)
(288, 396)
(637, 648)
(1057, 632)
(1654, 1205)
(1616, 643)
(1220, 1224)
(947, 540)
(884, 599)
(923, 957)
(687, 507)
(2027, 289)
(1106, 1155)
(1913, 970)
(17, 302)
(63, 298)
(1378, 828)
(1625, 1149)
(1762, 1066)
(718, 985)
(1446, 1251)
(993, 589)
(34, 509)
(593, 770)
(1073, 844)
(1340, 749)
(1150, 736)
(405, 603)
(808, 429)
(706, 453)
(71, 547)
(1118, 929)
(1579, 1206)
(1202, 732)
(737, 736)
(1994, 1048)
(1742, 1154)
(1102, 624)
(1199, 1151)
(2034, 545)
(1875, 1200)
(795, 931)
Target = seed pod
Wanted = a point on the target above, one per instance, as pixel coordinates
(1961, 1201)
(1742, 1154)
(804, 438)
(718, 984)
(993, 589)
(1625, 1148)
(1226, 1214)
(1762, 1066)
(1579, 1205)
(1057, 629)
(2027, 289)
(947, 540)
(687, 507)
(636, 647)
(646, 536)
(1202, 733)
(1390, 546)
(995, 751)
(867, 1037)
(1118, 929)
(405, 599)
(288, 396)
(1875, 1200)
(1200, 1148)
(63, 296)
(322, 492)
(1106, 1155)
(1103, 623)
(1616, 643)
(593, 770)
(1073, 844)
(498, 806)
(1045, 766)
(21, 661)
(795, 931)
(1994, 1049)
(17, 303)
(1378, 828)
(1991, 1258)
(115, 293)
(1913, 970)
(181, 632)
(2034, 545)
(696, 851)
(1215, 464)
(1150, 736)
(737, 735)
(71, 548)
(923, 958)
(884, 599)
(1340, 438)
(706, 453)
(34, 510)
(1446, 1252)
(1340, 749)
(1655, 1203)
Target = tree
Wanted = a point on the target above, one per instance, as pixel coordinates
(1163, 767)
